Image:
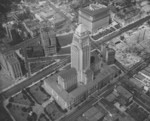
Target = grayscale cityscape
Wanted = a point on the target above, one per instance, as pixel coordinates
(74, 60)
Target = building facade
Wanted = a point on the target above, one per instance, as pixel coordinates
(11, 65)
(80, 52)
(68, 79)
(110, 56)
(48, 40)
(94, 17)
(67, 100)
(8, 28)
(80, 74)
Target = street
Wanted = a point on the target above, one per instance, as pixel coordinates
(122, 30)
(35, 78)
(89, 103)
(45, 72)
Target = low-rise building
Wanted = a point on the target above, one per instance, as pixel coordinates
(58, 20)
(145, 73)
(90, 112)
(110, 56)
(125, 94)
(96, 62)
(127, 15)
(32, 27)
(137, 83)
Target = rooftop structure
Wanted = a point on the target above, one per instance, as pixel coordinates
(68, 79)
(58, 20)
(139, 76)
(61, 96)
(137, 83)
(123, 92)
(68, 73)
(32, 26)
(90, 113)
(127, 15)
(94, 17)
(96, 10)
(81, 30)
(145, 73)
(75, 96)
(44, 13)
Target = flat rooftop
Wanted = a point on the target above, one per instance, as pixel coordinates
(95, 9)
(52, 82)
(122, 91)
(58, 18)
(31, 23)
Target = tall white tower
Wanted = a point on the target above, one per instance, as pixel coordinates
(80, 52)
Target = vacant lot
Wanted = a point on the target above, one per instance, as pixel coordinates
(4, 116)
(19, 112)
(21, 98)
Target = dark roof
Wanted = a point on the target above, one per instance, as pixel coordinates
(123, 92)
(67, 74)
(115, 68)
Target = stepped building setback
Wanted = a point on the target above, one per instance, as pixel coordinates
(71, 87)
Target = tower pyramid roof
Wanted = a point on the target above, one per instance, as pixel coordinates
(81, 30)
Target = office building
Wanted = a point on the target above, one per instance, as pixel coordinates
(11, 65)
(96, 62)
(80, 52)
(48, 40)
(103, 50)
(68, 79)
(67, 100)
(110, 56)
(70, 87)
(94, 17)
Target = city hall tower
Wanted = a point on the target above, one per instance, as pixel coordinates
(80, 52)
